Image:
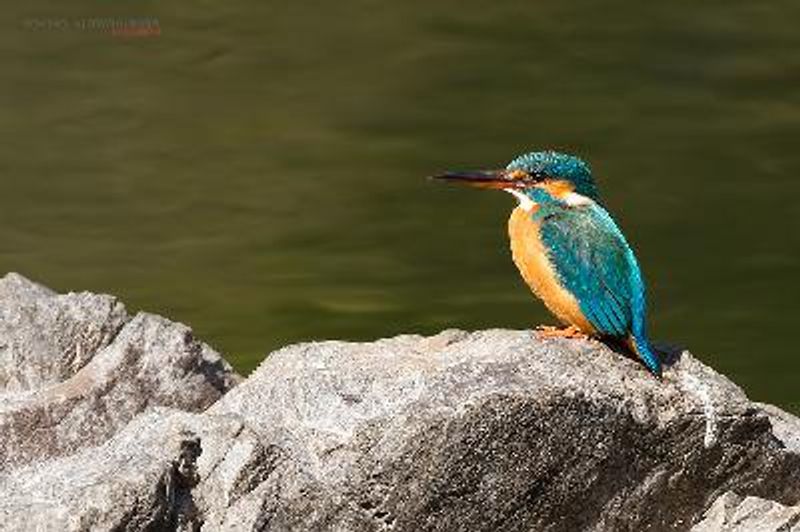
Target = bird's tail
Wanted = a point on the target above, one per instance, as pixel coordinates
(644, 350)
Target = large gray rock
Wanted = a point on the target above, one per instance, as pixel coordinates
(495, 430)
(77, 368)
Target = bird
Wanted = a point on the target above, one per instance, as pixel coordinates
(570, 251)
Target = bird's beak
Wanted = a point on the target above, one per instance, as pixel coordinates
(494, 179)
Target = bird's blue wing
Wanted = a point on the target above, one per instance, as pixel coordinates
(595, 264)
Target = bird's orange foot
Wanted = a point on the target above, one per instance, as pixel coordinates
(548, 331)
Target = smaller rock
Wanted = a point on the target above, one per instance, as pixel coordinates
(141, 479)
(785, 426)
(148, 362)
(45, 337)
(732, 513)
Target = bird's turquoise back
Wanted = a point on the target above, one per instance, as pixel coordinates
(595, 263)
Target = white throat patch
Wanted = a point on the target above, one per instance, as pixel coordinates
(525, 202)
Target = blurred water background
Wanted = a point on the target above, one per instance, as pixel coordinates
(256, 169)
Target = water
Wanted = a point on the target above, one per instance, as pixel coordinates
(258, 171)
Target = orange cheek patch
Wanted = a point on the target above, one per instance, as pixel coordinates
(558, 189)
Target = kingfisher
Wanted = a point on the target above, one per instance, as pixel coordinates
(570, 251)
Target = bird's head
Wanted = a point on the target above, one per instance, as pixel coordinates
(558, 175)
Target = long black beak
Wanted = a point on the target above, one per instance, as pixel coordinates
(496, 179)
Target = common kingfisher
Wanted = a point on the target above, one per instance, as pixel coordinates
(570, 251)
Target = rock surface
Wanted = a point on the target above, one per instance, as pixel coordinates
(141, 479)
(45, 338)
(732, 513)
(493, 430)
(76, 368)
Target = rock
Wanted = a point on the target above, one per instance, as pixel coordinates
(732, 513)
(785, 426)
(493, 430)
(140, 479)
(94, 369)
(45, 338)
(145, 477)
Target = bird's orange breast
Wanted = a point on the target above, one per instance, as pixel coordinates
(533, 262)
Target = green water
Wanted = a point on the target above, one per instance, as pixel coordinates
(258, 171)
